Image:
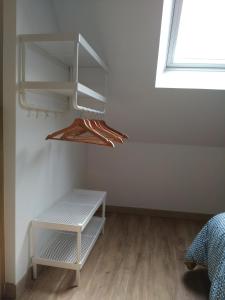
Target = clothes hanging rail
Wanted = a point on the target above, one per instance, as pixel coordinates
(73, 53)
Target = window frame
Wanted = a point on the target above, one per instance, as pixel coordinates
(182, 77)
(174, 28)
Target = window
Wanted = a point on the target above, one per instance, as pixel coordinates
(197, 36)
(192, 44)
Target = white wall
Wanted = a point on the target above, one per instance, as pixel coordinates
(191, 121)
(127, 33)
(168, 177)
(45, 170)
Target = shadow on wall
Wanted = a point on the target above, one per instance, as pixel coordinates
(24, 163)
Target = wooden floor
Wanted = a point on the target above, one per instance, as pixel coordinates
(138, 258)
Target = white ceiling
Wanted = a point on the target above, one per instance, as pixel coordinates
(127, 34)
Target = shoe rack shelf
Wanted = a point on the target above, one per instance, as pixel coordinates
(69, 230)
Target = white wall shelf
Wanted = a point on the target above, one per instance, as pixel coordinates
(70, 52)
(62, 88)
(74, 231)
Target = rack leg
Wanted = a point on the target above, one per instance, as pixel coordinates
(34, 271)
(77, 277)
(103, 215)
(33, 249)
(78, 257)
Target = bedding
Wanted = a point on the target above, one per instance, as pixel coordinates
(208, 249)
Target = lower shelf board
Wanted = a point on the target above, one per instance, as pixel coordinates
(61, 249)
(61, 88)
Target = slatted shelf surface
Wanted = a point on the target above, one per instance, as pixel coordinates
(62, 246)
(72, 212)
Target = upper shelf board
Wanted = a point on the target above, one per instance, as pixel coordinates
(62, 47)
(73, 212)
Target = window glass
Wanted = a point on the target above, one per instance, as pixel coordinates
(200, 33)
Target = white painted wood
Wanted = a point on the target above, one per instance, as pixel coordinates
(9, 134)
(89, 110)
(174, 26)
(31, 233)
(34, 271)
(53, 37)
(24, 104)
(73, 212)
(72, 248)
(103, 214)
(49, 263)
(62, 88)
(78, 277)
(69, 250)
(79, 250)
(92, 52)
(86, 91)
(63, 37)
(75, 230)
(185, 75)
(67, 51)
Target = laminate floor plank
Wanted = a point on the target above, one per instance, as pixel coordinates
(138, 258)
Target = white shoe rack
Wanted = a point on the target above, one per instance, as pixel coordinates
(64, 235)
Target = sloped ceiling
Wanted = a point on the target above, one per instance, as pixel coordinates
(126, 32)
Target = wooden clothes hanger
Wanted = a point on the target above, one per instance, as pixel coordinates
(81, 130)
(107, 133)
(103, 124)
(96, 138)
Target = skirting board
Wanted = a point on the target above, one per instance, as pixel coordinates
(14, 291)
(9, 291)
(157, 213)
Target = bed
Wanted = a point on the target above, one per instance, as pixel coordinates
(208, 249)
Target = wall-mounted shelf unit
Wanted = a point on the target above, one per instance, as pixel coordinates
(84, 73)
(73, 231)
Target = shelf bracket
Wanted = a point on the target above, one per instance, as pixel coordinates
(76, 106)
(24, 104)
